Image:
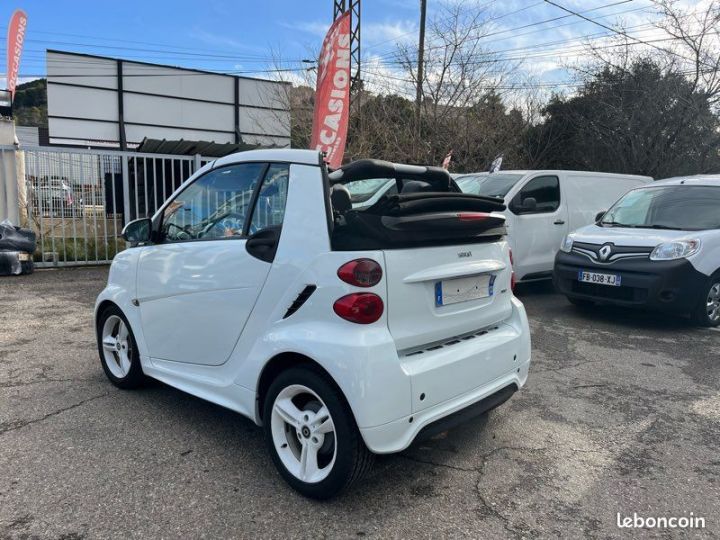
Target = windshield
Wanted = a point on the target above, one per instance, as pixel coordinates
(489, 185)
(470, 183)
(687, 208)
(363, 190)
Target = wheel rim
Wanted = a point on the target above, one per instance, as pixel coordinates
(117, 348)
(713, 303)
(303, 433)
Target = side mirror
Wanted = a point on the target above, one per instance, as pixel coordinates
(600, 215)
(138, 231)
(529, 205)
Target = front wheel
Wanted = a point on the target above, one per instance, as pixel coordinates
(118, 350)
(312, 436)
(708, 311)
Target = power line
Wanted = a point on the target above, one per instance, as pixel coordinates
(619, 32)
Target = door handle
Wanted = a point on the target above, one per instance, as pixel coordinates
(559, 222)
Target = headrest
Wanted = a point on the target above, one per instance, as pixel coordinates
(340, 198)
(415, 186)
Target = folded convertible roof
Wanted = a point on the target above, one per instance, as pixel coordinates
(364, 169)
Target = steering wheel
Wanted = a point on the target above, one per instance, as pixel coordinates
(183, 234)
(229, 220)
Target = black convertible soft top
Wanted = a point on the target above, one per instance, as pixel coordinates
(364, 169)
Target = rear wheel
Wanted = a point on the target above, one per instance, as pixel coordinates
(312, 436)
(118, 351)
(707, 312)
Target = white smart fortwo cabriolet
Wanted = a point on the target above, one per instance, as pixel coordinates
(343, 332)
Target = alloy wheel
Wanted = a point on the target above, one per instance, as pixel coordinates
(303, 433)
(713, 303)
(116, 346)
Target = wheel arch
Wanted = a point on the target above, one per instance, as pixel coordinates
(282, 362)
(102, 306)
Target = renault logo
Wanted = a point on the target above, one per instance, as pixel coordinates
(604, 252)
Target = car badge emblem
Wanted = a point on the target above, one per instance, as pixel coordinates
(604, 252)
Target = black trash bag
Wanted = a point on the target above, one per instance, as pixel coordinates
(16, 239)
(14, 263)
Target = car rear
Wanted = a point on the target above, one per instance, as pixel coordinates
(460, 339)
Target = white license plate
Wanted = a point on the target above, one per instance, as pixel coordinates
(601, 279)
(454, 291)
(23, 257)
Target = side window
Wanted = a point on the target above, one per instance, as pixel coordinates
(214, 206)
(270, 207)
(546, 192)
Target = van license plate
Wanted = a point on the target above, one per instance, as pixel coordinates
(601, 279)
(454, 291)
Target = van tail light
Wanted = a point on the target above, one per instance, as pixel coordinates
(361, 308)
(361, 273)
(512, 275)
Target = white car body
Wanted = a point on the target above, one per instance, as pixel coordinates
(681, 283)
(535, 236)
(209, 318)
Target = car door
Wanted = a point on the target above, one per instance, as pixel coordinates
(538, 228)
(198, 284)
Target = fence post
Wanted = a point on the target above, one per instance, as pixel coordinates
(9, 189)
(198, 163)
(126, 189)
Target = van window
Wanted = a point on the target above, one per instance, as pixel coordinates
(546, 192)
(489, 185)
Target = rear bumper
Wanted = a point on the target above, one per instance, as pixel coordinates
(672, 286)
(458, 382)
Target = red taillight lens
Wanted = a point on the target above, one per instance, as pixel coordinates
(361, 273)
(473, 216)
(512, 276)
(361, 308)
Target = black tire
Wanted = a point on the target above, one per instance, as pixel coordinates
(135, 376)
(580, 302)
(701, 315)
(352, 458)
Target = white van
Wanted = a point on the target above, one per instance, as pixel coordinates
(658, 247)
(544, 206)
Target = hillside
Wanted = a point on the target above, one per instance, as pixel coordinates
(30, 105)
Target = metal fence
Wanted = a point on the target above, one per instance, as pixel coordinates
(79, 200)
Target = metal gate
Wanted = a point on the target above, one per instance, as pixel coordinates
(79, 200)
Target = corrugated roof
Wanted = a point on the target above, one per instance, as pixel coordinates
(189, 148)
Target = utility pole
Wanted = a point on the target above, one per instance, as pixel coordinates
(421, 60)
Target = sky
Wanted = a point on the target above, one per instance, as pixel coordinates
(256, 38)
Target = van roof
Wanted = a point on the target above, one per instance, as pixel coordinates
(695, 180)
(575, 173)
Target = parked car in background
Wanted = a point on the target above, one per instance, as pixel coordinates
(54, 196)
(543, 206)
(657, 247)
(364, 193)
(344, 332)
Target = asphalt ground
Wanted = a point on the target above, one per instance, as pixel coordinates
(621, 414)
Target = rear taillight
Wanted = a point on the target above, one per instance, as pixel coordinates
(473, 216)
(512, 275)
(361, 308)
(361, 273)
